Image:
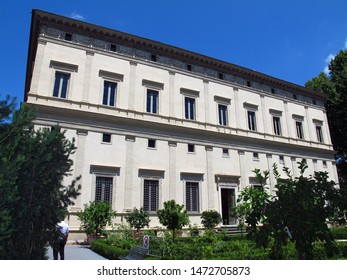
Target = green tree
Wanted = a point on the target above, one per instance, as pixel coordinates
(210, 218)
(173, 216)
(138, 218)
(251, 207)
(33, 166)
(96, 216)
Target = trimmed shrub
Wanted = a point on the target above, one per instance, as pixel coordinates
(339, 232)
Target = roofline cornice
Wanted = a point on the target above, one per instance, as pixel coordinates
(40, 17)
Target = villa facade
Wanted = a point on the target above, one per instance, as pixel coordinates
(154, 122)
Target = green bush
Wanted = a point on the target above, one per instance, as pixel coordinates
(113, 247)
(95, 216)
(339, 232)
(342, 249)
(210, 218)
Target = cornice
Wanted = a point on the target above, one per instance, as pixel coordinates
(40, 18)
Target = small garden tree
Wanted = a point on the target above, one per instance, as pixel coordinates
(173, 216)
(210, 218)
(95, 216)
(138, 218)
(251, 205)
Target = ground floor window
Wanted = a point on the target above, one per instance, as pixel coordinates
(103, 188)
(192, 196)
(151, 195)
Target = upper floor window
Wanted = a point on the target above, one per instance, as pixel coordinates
(61, 84)
(299, 129)
(251, 115)
(319, 133)
(276, 120)
(252, 124)
(152, 101)
(110, 84)
(109, 95)
(189, 108)
(223, 114)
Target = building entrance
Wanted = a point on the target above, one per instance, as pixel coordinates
(228, 204)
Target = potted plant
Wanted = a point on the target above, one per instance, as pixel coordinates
(138, 219)
(94, 218)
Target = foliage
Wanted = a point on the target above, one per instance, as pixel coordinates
(339, 232)
(251, 206)
(210, 218)
(298, 213)
(173, 217)
(138, 218)
(34, 199)
(95, 216)
(111, 248)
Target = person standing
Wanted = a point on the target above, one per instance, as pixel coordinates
(60, 241)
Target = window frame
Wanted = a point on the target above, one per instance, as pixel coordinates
(65, 69)
(103, 138)
(109, 94)
(222, 114)
(189, 150)
(190, 108)
(251, 120)
(152, 108)
(111, 191)
(157, 194)
(58, 88)
(299, 127)
(276, 125)
(151, 147)
(191, 206)
(113, 78)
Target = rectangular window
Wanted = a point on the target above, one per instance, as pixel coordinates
(113, 48)
(106, 138)
(223, 114)
(281, 159)
(319, 133)
(61, 84)
(225, 152)
(277, 125)
(191, 148)
(252, 125)
(152, 101)
(109, 96)
(153, 57)
(68, 36)
(151, 143)
(103, 189)
(189, 107)
(151, 195)
(255, 156)
(299, 130)
(192, 196)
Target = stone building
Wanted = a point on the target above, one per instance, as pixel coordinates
(154, 122)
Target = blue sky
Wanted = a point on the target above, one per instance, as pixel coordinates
(290, 40)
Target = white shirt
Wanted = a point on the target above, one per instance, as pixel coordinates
(63, 227)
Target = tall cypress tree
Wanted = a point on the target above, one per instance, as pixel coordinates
(34, 198)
